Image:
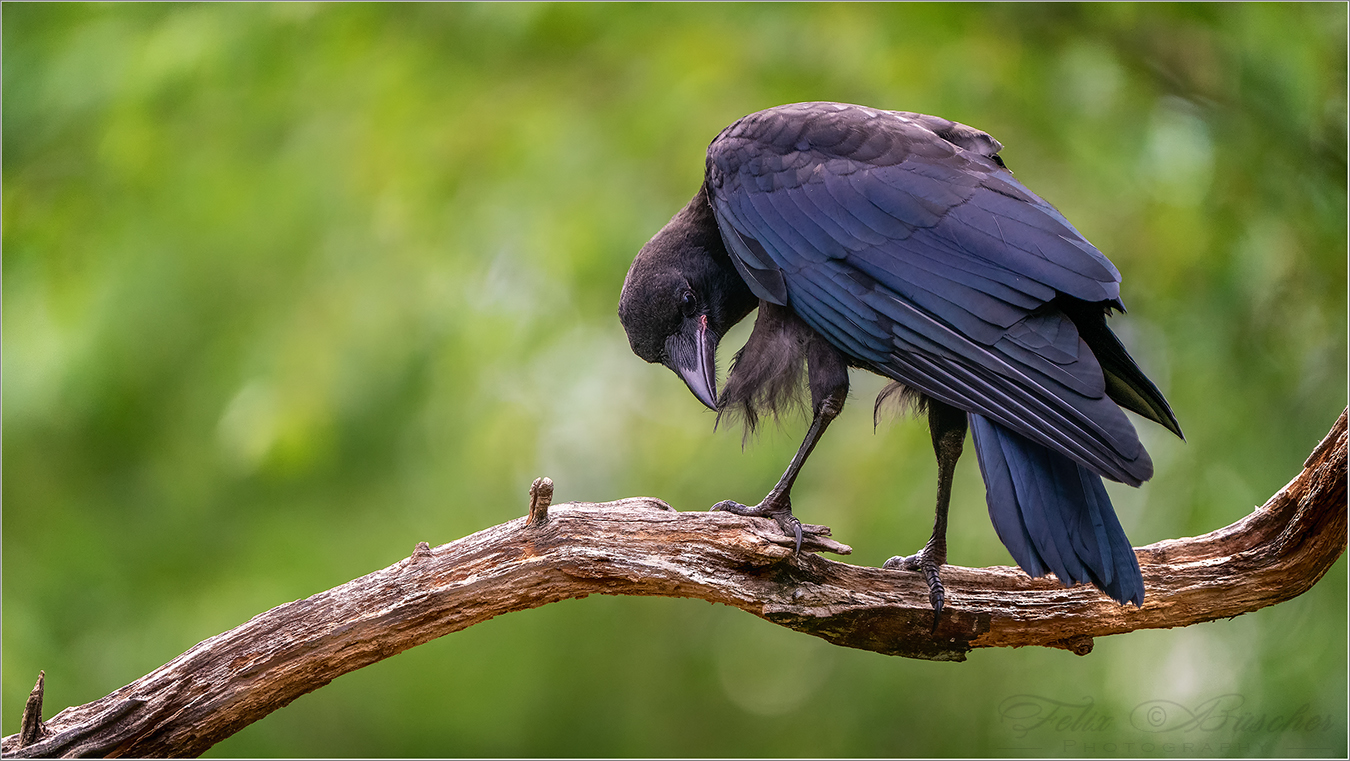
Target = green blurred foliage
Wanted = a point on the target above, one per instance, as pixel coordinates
(291, 287)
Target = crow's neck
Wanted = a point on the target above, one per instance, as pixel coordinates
(728, 297)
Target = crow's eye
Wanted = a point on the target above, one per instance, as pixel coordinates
(688, 304)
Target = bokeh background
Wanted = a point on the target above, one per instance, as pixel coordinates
(288, 288)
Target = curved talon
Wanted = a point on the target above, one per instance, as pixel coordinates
(937, 595)
(922, 561)
(781, 515)
(790, 525)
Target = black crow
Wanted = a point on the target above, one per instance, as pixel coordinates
(900, 243)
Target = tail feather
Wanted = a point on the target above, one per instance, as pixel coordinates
(1038, 506)
(1053, 514)
(998, 484)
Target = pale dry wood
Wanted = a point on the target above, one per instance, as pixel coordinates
(32, 730)
(641, 546)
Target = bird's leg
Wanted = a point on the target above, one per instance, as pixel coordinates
(947, 425)
(778, 503)
(827, 374)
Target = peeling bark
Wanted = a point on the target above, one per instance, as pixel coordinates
(641, 546)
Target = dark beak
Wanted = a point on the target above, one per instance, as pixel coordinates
(692, 355)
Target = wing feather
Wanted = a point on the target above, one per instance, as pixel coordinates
(930, 264)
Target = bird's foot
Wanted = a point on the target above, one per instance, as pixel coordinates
(781, 512)
(928, 560)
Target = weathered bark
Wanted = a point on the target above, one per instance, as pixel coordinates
(641, 546)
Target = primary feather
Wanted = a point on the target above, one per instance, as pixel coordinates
(927, 262)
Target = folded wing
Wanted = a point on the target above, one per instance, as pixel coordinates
(904, 241)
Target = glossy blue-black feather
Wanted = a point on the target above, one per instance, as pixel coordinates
(926, 262)
(1053, 514)
(906, 243)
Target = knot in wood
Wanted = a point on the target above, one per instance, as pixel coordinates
(1079, 644)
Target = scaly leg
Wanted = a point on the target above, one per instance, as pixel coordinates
(778, 503)
(947, 425)
(827, 375)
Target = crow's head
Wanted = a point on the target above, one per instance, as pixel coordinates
(682, 294)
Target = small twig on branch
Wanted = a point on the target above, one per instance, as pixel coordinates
(641, 546)
(541, 496)
(32, 729)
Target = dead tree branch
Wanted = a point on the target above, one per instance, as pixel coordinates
(641, 546)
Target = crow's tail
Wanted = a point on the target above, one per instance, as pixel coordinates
(1053, 514)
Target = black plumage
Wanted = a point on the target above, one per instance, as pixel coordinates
(900, 243)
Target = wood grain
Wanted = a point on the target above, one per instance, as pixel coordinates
(640, 546)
